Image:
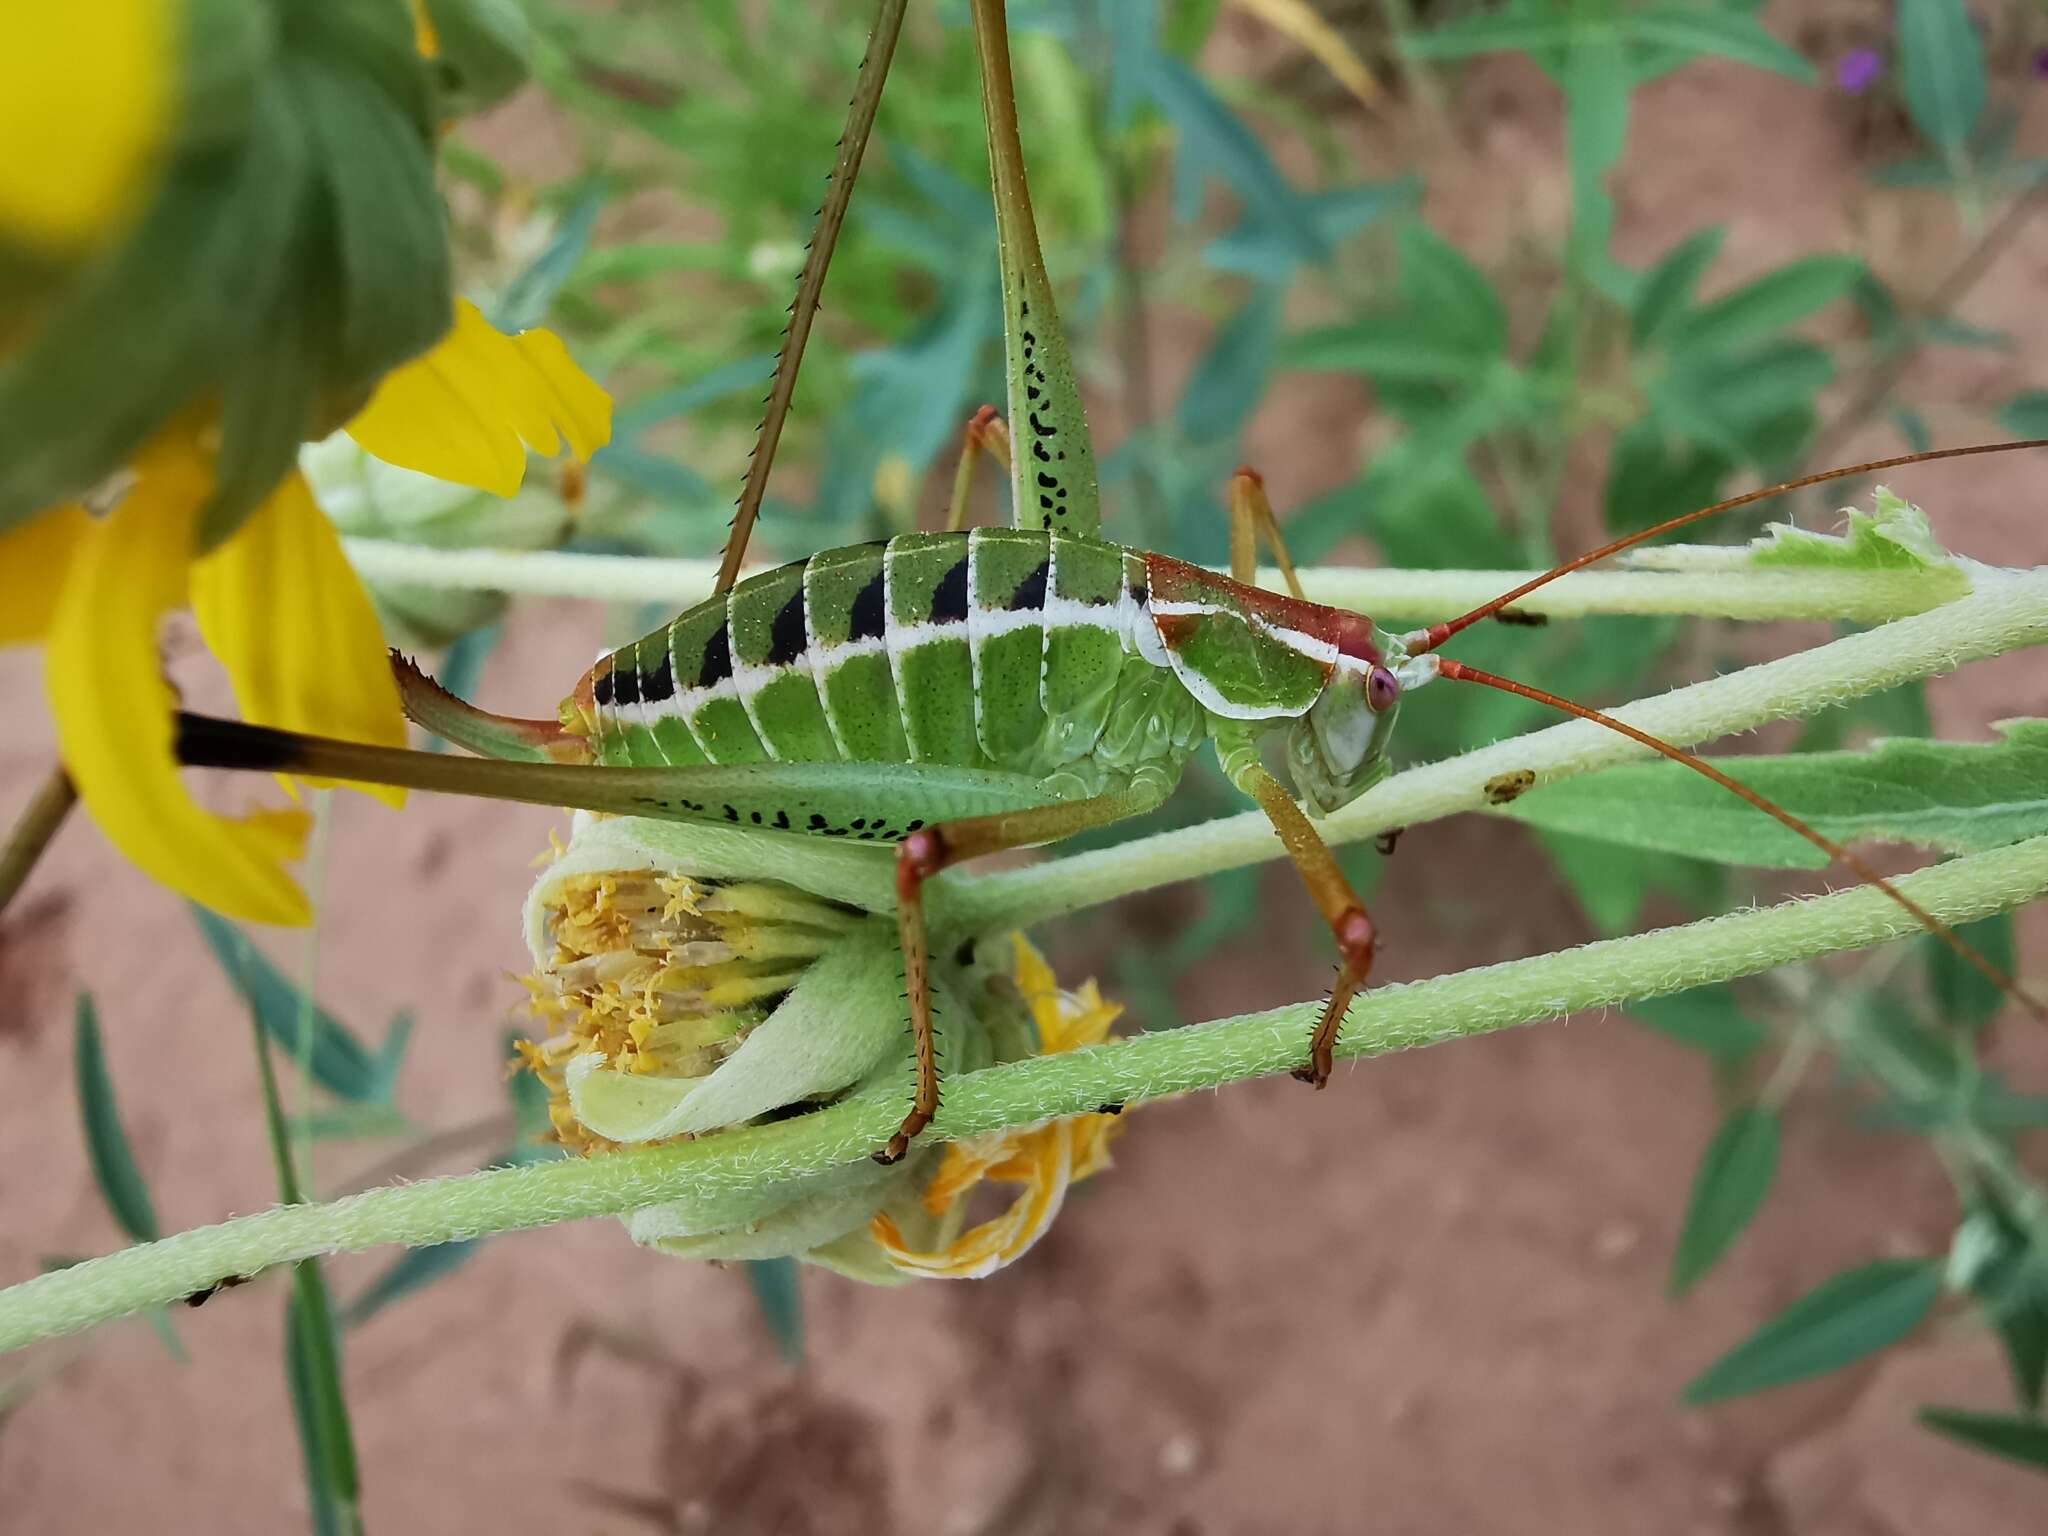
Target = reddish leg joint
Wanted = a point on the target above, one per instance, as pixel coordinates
(1355, 938)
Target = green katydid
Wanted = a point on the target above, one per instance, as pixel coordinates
(960, 693)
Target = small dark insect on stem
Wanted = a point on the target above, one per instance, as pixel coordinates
(201, 1297)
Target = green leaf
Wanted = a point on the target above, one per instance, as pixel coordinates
(1963, 994)
(339, 1062)
(1771, 303)
(1214, 140)
(312, 1370)
(2010, 1435)
(1439, 284)
(1993, 1258)
(1394, 345)
(1256, 251)
(1708, 1020)
(1596, 88)
(1727, 1191)
(1840, 1321)
(1942, 61)
(1470, 36)
(412, 1270)
(1894, 536)
(777, 1292)
(1667, 289)
(106, 1143)
(1650, 475)
(1947, 331)
(1958, 797)
(1229, 381)
(1912, 427)
(2026, 414)
(1707, 29)
(527, 298)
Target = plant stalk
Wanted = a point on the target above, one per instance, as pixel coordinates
(1849, 596)
(1130, 1071)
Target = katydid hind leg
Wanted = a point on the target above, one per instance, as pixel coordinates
(988, 434)
(1252, 519)
(931, 849)
(855, 802)
(433, 708)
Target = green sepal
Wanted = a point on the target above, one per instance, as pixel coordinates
(138, 334)
(485, 53)
(228, 45)
(394, 290)
(372, 38)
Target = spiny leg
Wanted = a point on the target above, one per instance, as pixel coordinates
(1327, 887)
(986, 433)
(927, 851)
(853, 143)
(1251, 515)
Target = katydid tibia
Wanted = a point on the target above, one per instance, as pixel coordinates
(960, 693)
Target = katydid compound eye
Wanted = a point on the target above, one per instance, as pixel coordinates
(1381, 690)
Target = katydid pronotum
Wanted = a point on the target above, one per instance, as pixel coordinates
(965, 692)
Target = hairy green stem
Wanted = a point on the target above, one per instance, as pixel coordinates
(2006, 611)
(1128, 1071)
(1863, 597)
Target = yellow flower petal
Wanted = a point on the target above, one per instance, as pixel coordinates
(113, 708)
(1066, 1021)
(470, 408)
(85, 96)
(1045, 1159)
(424, 37)
(33, 562)
(284, 612)
(1041, 1160)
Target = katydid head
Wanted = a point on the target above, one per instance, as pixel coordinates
(1337, 748)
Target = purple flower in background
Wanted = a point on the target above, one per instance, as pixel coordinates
(1860, 69)
(2041, 62)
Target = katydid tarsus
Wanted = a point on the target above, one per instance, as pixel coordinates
(960, 693)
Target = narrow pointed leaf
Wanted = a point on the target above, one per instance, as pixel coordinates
(1956, 797)
(412, 1270)
(1704, 29)
(339, 1062)
(777, 1293)
(1728, 1190)
(1708, 1020)
(106, 1143)
(1769, 304)
(2009, 1435)
(1840, 1321)
(1942, 61)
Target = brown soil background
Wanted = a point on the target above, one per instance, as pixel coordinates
(1429, 1300)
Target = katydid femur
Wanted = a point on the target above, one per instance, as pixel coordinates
(960, 693)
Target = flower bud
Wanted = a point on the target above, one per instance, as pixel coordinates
(681, 998)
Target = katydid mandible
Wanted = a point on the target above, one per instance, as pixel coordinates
(956, 694)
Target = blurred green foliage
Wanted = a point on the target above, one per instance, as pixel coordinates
(668, 243)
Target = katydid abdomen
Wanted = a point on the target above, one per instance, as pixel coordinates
(1013, 651)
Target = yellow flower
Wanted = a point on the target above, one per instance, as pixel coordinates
(470, 408)
(1045, 1159)
(85, 101)
(277, 603)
